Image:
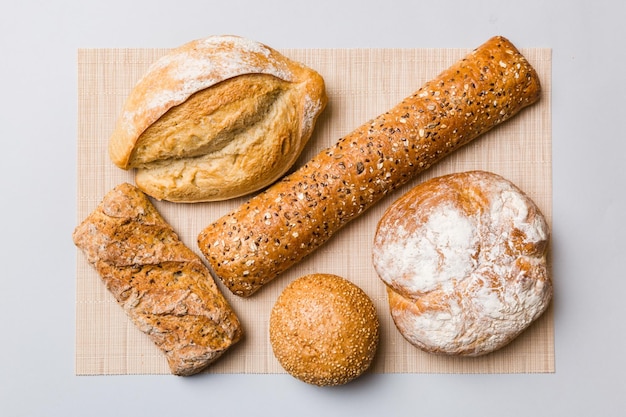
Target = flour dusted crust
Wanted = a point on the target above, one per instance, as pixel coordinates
(324, 330)
(464, 260)
(216, 118)
(277, 228)
(162, 285)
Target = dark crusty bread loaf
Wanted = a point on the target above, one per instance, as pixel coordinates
(160, 283)
(324, 330)
(272, 231)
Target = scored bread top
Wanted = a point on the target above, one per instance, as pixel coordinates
(188, 69)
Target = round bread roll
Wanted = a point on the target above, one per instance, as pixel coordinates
(464, 260)
(324, 330)
(216, 118)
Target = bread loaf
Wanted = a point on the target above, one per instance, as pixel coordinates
(161, 284)
(464, 260)
(277, 228)
(324, 330)
(216, 118)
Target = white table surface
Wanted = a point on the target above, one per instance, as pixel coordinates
(38, 44)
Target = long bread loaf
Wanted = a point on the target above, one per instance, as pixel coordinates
(274, 230)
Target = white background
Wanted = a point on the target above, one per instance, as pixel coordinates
(38, 44)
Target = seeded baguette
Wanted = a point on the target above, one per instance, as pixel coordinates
(161, 284)
(274, 230)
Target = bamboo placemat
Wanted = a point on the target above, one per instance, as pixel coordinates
(361, 83)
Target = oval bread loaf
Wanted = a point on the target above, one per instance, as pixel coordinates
(464, 260)
(215, 119)
(277, 228)
(324, 330)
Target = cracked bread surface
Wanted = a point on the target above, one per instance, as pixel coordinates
(161, 284)
(464, 260)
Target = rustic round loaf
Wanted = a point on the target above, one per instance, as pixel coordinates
(464, 260)
(324, 330)
(216, 118)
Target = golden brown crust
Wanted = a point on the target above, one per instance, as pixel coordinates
(255, 243)
(324, 330)
(163, 286)
(216, 118)
(464, 260)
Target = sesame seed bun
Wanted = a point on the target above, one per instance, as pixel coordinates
(324, 330)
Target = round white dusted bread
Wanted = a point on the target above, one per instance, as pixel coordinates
(464, 260)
